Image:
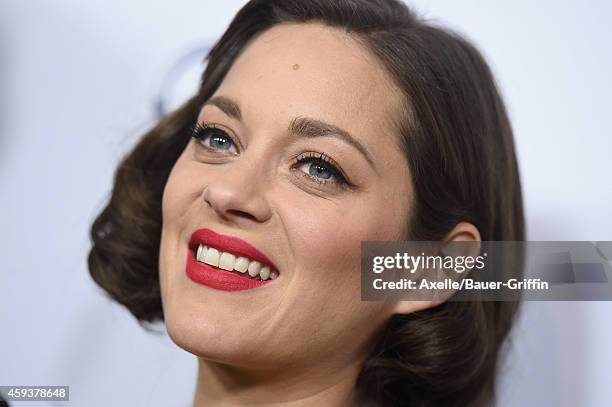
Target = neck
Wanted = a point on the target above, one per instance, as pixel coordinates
(221, 385)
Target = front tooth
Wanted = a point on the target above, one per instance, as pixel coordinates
(264, 273)
(254, 268)
(212, 257)
(201, 252)
(226, 262)
(241, 265)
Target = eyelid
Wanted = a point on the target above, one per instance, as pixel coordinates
(310, 157)
(328, 185)
(337, 167)
(200, 127)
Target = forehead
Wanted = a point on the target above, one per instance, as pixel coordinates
(317, 71)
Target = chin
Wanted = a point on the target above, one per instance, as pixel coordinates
(198, 335)
(212, 336)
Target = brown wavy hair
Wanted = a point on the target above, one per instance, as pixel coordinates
(459, 145)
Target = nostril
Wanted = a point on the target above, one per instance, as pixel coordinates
(237, 212)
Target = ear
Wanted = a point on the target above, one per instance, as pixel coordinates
(462, 232)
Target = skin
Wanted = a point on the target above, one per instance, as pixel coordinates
(301, 339)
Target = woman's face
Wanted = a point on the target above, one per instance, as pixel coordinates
(302, 216)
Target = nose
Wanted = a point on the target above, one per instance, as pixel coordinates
(238, 192)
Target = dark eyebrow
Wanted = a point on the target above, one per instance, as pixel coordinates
(227, 106)
(299, 126)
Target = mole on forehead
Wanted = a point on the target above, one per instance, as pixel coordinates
(296, 67)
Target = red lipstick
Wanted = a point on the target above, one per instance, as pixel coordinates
(221, 279)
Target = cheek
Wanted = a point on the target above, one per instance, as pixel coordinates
(327, 248)
(326, 285)
(179, 195)
(328, 240)
(179, 192)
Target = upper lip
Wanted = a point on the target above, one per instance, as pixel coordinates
(227, 243)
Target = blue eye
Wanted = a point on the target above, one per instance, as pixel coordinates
(320, 169)
(317, 170)
(316, 167)
(213, 138)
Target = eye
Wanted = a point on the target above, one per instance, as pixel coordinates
(213, 138)
(316, 167)
(319, 168)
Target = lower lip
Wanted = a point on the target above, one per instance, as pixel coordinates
(218, 279)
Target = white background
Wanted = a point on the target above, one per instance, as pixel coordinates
(78, 82)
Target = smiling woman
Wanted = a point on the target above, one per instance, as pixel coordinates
(238, 219)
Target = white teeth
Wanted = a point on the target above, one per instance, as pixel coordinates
(212, 257)
(254, 268)
(264, 273)
(201, 252)
(228, 261)
(241, 265)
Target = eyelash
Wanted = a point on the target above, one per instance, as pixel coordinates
(321, 160)
(201, 131)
